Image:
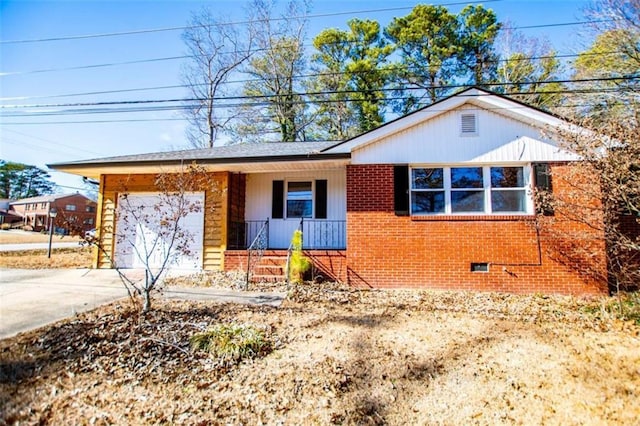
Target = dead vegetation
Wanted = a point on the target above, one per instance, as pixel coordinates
(25, 237)
(37, 259)
(336, 356)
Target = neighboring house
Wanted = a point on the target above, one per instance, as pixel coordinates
(75, 213)
(440, 198)
(6, 214)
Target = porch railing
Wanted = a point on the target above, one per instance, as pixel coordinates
(255, 251)
(318, 234)
(324, 234)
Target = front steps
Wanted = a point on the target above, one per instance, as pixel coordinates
(270, 269)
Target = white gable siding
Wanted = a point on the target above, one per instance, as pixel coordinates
(439, 140)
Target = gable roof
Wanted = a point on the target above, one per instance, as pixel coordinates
(474, 96)
(279, 156)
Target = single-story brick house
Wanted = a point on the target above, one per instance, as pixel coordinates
(440, 198)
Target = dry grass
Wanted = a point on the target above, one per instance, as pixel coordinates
(23, 237)
(338, 357)
(37, 259)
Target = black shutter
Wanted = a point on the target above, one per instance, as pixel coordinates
(321, 199)
(277, 204)
(543, 177)
(401, 190)
(544, 188)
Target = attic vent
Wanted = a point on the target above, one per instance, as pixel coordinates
(468, 124)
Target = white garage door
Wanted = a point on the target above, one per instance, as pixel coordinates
(145, 234)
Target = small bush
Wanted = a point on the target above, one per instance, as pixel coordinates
(298, 263)
(5, 226)
(231, 343)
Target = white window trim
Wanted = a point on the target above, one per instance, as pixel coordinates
(313, 197)
(486, 175)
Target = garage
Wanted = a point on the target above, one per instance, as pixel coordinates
(146, 233)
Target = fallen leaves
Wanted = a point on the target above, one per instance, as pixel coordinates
(339, 355)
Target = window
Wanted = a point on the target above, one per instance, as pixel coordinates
(508, 192)
(469, 190)
(467, 193)
(90, 209)
(428, 194)
(70, 207)
(299, 199)
(88, 221)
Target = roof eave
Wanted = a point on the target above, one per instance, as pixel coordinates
(96, 168)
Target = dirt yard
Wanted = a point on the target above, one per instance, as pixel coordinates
(23, 237)
(338, 356)
(37, 259)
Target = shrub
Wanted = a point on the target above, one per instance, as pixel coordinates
(298, 263)
(5, 226)
(231, 343)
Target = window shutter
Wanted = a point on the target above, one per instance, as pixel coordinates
(277, 204)
(468, 124)
(543, 184)
(543, 176)
(401, 190)
(321, 199)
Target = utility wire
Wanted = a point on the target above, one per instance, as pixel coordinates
(245, 22)
(298, 102)
(171, 58)
(185, 119)
(74, 148)
(227, 98)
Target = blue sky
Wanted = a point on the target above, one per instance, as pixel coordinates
(29, 141)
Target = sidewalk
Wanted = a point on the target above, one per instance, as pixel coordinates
(31, 298)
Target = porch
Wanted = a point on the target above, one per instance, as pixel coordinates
(275, 234)
(257, 247)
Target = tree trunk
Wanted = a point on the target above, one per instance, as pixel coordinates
(146, 306)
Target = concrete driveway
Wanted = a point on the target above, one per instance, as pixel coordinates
(32, 298)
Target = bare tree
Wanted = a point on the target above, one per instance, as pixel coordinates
(598, 206)
(216, 49)
(526, 62)
(276, 106)
(152, 233)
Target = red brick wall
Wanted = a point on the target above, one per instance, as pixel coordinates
(385, 250)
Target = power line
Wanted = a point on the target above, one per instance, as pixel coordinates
(171, 58)
(245, 22)
(302, 76)
(262, 104)
(235, 98)
(74, 148)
